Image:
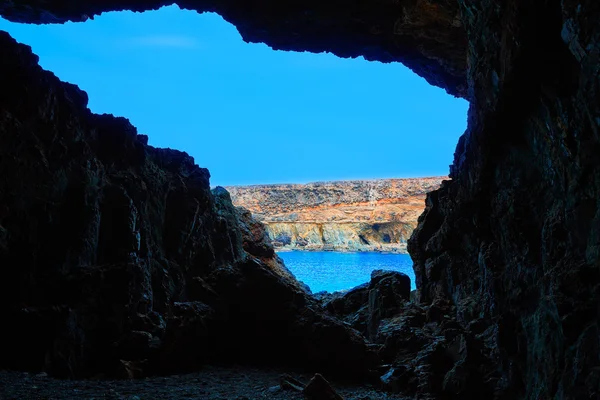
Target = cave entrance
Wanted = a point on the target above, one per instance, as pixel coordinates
(254, 115)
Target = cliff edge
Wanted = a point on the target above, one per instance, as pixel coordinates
(358, 215)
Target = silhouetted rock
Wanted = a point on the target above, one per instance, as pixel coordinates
(424, 351)
(119, 260)
(364, 306)
(254, 236)
(256, 242)
(510, 240)
(388, 291)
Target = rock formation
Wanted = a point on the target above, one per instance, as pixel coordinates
(506, 253)
(117, 258)
(362, 215)
(424, 351)
(511, 240)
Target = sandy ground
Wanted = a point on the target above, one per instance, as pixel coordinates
(212, 383)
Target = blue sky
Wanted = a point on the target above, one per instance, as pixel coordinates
(247, 113)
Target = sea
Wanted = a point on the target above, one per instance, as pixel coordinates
(331, 271)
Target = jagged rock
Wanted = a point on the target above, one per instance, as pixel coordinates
(118, 260)
(254, 235)
(388, 291)
(319, 389)
(347, 301)
(257, 243)
(427, 353)
(364, 306)
(510, 240)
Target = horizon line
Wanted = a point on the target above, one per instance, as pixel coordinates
(442, 177)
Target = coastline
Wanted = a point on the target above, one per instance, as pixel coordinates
(383, 249)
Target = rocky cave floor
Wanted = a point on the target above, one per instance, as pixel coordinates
(211, 383)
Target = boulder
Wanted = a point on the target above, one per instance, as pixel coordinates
(388, 292)
(364, 306)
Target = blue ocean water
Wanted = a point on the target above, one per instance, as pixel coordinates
(330, 271)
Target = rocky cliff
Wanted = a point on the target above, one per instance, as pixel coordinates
(361, 215)
(506, 253)
(117, 259)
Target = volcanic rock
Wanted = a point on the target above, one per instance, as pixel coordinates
(117, 258)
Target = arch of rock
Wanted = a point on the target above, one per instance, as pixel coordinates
(510, 244)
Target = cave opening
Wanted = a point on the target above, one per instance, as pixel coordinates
(248, 113)
(506, 253)
(156, 258)
(253, 115)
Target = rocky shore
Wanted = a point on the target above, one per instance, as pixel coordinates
(364, 215)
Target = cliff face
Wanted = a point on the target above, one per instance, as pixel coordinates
(512, 240)
(506, 253)
(362, 215)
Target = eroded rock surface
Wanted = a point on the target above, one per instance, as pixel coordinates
(512, 240)
(424, 351)
(117, 259)
(363, 215)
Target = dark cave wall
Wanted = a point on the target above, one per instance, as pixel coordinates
(99, 232)
(117, 258)
(512, 240)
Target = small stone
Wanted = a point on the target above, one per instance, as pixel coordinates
(274, 389)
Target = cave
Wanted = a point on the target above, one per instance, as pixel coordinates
(505, 254)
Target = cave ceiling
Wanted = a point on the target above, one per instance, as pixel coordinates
(425, 35)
